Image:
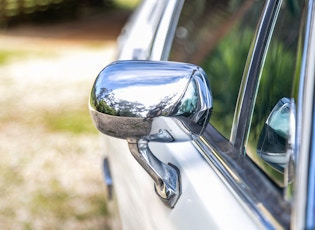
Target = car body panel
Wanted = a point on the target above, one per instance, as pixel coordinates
(220, 188)
(304, 127)
(137, 36)
(135, 190)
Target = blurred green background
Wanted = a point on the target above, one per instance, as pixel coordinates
(14, 12)
(51, 154)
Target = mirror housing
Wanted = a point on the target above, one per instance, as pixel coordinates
(129, 99)
(128, 95)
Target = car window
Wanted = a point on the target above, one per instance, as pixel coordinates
(272, 121)
(217, 36)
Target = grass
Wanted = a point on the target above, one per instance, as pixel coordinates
(126, 4)
(11, 55)
(50, 163)
(62, 203)
(7, 55)
(50, 145)
(70, 121)
(37, 179)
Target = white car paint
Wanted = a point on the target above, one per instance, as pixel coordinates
(206, 202)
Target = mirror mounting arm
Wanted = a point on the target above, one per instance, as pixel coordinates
(165, 176)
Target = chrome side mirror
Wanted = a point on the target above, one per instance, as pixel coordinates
(130, 97)
(273, 140)
(276, 142)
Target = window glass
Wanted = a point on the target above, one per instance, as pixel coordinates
(271, 125)
(216, 35)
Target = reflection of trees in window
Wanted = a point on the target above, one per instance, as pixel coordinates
(277, 76)
(218, 38)
(203, 24)
(276, 83)
(224, 67)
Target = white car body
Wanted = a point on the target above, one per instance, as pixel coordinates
(208, 200)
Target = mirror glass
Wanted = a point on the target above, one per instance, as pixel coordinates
(273, 139)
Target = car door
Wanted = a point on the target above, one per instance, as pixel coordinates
(221, 184)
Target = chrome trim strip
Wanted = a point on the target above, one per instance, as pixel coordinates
(137, 36)
(166, 29)
(238, 172)
(310, 208)
(172, 29)
(245, 180)
(305, 102)
(108, 178)
(252, 72)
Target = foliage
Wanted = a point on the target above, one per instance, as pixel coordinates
(6, 55)
(71, 121)
(59, 201)
(127, 4)
(12, 54)
(278, 68)
(227, 62)
(16, 11)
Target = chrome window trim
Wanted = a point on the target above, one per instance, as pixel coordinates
(245, 180)
(304, 119)
(252, 72)
(234, 168)
(241, 175)
(310, 208)
(172, 29)
(143, 24)
(166, 30)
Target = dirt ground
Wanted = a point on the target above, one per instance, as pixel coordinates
(50, 166)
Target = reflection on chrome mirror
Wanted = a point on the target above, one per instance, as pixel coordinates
(277, 140)
(129, 96)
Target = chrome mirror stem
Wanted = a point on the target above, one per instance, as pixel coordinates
(165, 176)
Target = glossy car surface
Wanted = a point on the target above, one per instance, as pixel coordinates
(251, 72)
